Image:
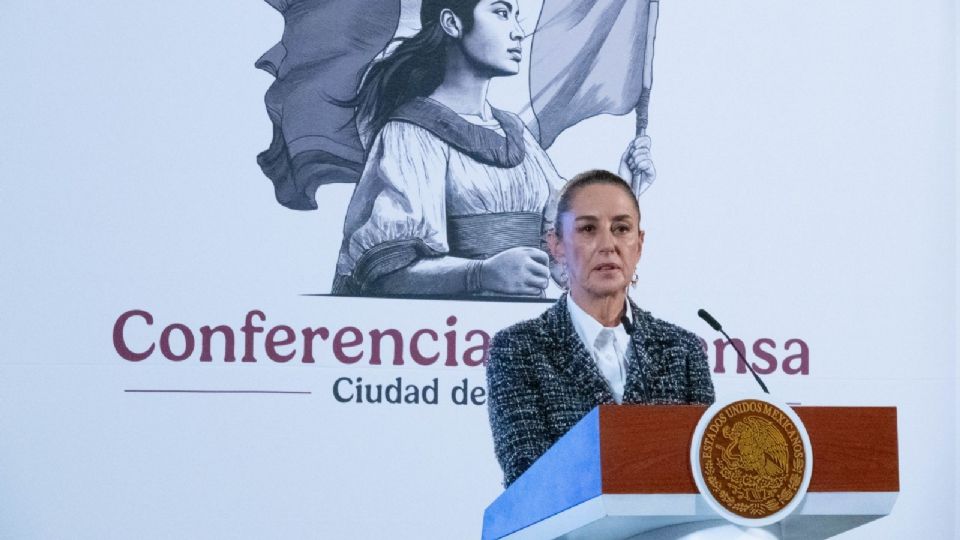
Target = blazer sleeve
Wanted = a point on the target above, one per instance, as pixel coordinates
(699, 383)
(516, 403)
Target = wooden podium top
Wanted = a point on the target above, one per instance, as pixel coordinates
(646, 448)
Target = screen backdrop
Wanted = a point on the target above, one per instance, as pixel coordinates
(806, 196)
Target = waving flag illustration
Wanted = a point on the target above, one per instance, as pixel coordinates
(588, 57)
(326, 45)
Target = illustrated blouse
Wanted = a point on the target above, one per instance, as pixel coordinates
(435, 184)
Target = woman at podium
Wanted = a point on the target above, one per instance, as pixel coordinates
(594, 346)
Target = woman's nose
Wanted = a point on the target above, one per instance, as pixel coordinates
(517, 33)
(607, 241)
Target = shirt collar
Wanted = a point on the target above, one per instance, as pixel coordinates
(586, 326)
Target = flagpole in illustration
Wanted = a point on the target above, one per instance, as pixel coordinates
(643, 105)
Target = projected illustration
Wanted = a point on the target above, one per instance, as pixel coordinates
(454, 196)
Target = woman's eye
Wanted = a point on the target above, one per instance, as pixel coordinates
(585, 228)
(502, 13)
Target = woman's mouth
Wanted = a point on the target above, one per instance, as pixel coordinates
(516, 53)
(607, 267)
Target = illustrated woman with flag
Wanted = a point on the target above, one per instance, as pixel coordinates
(455, 196)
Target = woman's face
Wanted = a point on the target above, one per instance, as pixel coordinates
(601, 241)
(493, 44)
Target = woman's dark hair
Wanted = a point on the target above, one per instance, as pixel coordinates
(590, 178)
(414, 68)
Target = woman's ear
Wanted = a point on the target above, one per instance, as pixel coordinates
(450, 23)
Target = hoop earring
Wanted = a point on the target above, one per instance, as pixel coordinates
(633, 282)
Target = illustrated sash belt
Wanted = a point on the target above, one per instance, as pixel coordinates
(483, 235)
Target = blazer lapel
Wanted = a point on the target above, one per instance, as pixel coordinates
(573, 356)
(638, 363)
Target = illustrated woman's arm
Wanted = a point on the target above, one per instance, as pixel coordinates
(516, 271)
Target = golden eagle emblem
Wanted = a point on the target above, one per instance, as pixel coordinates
(752, 458)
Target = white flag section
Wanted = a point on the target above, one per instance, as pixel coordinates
(587, 58)
(172, 367)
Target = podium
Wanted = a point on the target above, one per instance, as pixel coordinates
(623, 471)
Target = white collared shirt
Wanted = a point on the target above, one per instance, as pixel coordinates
(608, 346)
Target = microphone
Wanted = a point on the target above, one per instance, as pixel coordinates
(716, 326)
(710, 320)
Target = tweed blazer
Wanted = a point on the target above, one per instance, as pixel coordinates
(541, 380)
